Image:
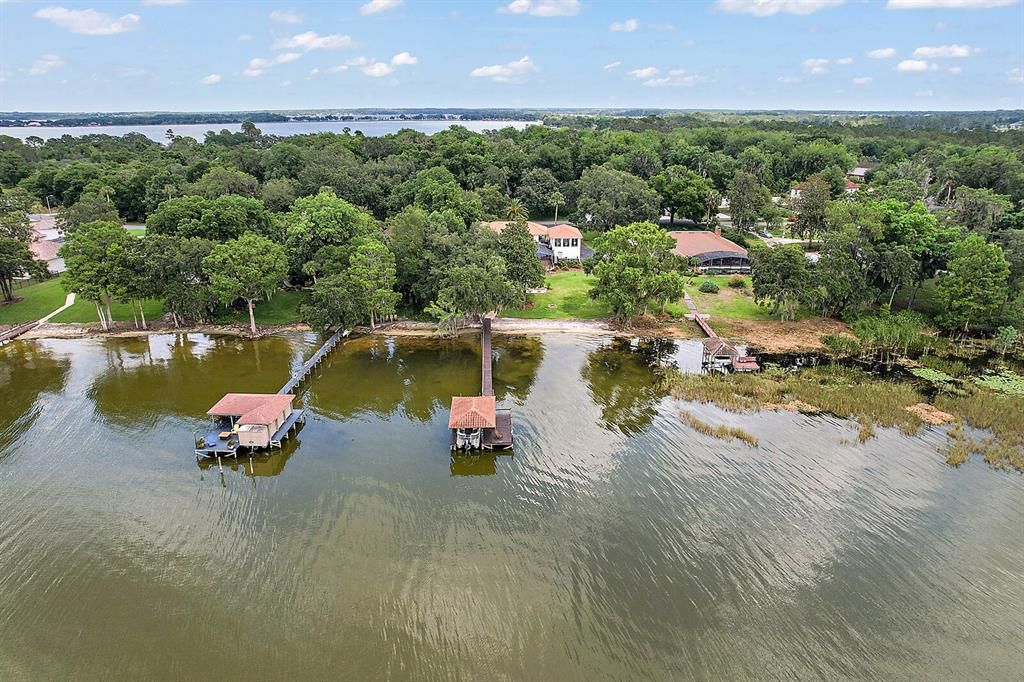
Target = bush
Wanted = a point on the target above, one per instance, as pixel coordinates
(708, 287)
(738, 282)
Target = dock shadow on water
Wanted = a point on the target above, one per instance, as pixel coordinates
(615, 542)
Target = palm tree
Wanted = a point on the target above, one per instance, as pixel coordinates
(515, 210)
(557, 198)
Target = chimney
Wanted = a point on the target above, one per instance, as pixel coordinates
(718, 230)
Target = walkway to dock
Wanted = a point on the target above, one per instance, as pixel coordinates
(313, 361)
(716, 346)
(486, 376)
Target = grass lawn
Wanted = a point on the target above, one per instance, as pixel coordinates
(728, 303)
(926, 301)
(567, 292)
(85, 311)
(135, 231)
(38, 301)
(282, 308)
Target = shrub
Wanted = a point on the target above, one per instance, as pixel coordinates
(738, 282)
(708, 287)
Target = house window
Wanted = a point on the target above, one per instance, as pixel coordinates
(575, 241)
(558, 242)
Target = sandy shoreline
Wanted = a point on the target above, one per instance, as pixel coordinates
(771, 337)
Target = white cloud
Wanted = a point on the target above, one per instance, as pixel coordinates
(844, 60)
(164, 3)
(767, 8)
(676, 78)
(611, 65)
(513, 72)
(816, 66)
(403, 59)
(45, 64)
(313, 72)
(955, 70)
(627, 26)
(646, 72)
(89, 21)
(924, 93)
(543, 8)
(286, 16)
(377, 6)
(212, 79)
(244, 37)
(1016, 75)
(357, 61)
(378, 70)
(310, 40)
(285, 84)
(862, 80)
(882, 53)
(286, 57)
(789, 80)
(339, 68)
(257, 65)
(945, 52)
(948, 4)
(913, 65)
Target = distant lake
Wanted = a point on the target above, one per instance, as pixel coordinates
(284, 129)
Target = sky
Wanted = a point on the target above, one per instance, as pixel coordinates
(205, 55)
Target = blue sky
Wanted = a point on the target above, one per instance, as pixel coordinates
(203, 55)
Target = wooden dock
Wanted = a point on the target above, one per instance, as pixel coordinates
(15, 332)
(717, 349)
(486, 375)
(307, 367)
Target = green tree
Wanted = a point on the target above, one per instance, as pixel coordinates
(89, 208)
(372, 273)
(279, 193)
(322, 220)
(536, 189)
(247, 268)
(91, 255)
(684, 192)
(519, 251)
(781, 279)
(612, 197)
(15, 261)
(812, 206)
(747, 200)
(974, 287)
(635, 269)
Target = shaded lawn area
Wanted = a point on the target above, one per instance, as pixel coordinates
(567, 292)
(730, 303)
(38, 300)
(85, 311)
(282, 308)
(925, 301)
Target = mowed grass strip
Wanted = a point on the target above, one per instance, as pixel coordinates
(566, 298)
(85, 311)
(37, 301)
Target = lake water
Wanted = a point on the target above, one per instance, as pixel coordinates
(284, 129)
(615, 543)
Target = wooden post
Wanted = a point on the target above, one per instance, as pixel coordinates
(219, 465)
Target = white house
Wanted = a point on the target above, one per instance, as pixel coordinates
(797, 189)
(558, 242)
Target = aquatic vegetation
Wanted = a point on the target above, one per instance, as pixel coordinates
(1007, 382)
(721, 431)
(875, 402)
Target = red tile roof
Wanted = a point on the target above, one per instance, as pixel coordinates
(564, 230)
(689, 244)
(536, 229)
(252, 408)
(477, 412)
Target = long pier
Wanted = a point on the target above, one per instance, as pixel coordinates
(15, 332)
(317, 357)
(486, 374)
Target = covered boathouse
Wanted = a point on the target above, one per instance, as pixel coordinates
(249, 421)
(475, 421)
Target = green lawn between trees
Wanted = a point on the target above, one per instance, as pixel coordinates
(37, 300)
(567, 298)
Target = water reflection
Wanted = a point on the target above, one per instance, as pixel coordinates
(417, 377)
(623, 380)
(183, 374)
(27, 371)
(257, 464)
(481, 464)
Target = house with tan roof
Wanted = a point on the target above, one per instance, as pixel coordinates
(555, 242)
(710, 250)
